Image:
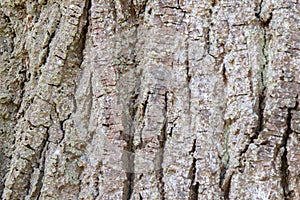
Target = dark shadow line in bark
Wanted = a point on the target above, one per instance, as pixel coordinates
(160, 154)
(188, 78)
(129, 150)
(51, 37)
(284, 172)
(262, 91)
(226, 188)
(42, 164)
(129, 11)
(194, 187)
(39, 165)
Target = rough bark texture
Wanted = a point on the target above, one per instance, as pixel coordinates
(149, 99)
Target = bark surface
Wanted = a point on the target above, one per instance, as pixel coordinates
(149, 99)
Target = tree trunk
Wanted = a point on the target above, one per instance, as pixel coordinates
(149, 99)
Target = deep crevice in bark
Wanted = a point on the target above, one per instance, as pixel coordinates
(262, 94)
(144, 109)
(129, 155)
(188, 78)
(224, 73)
(51, 37)
(257, 14)
(225, 179)
(226, 188)
(284, 171)
(85, 29)
(208, 30)
(262, 89)
(129, 149)
(160, 154)
(140, 196)
(89, 103)
(194, 187)
(41, 166)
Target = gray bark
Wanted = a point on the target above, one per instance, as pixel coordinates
(149, 99)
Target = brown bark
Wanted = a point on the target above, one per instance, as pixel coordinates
(149, 99)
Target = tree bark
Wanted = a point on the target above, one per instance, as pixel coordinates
(149, 99)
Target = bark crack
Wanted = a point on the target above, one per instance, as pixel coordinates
(188, 78)
(226, 187)
(284, 172)
(143, 112)
(258, 13)
(129, 149)
(41, 166)
(194, 187)
(262, 84)
(225, 177)
(89, 102)
(208, 30)
(51, 37)
(85, 29)
(160, 154)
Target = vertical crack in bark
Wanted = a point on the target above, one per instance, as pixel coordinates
(224, 76)
(97, 180)
(89, 104)
(128, 159)
(73, 97)
(61, 123)
(284, 173)
(85, 29)
(42, 160)
(194, 187)
(224, 183)
(226, 187)
(262, 85)
(39, 165)
(188, 79)
(257, 14)
(143, 113)
(140, 196)
(128, 153)
(159, 157)
(51, 37)
(262, 95)
(265, 48)
(208, 29)
(129, 150)
(83, 44)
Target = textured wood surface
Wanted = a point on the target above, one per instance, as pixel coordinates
(149, 99)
